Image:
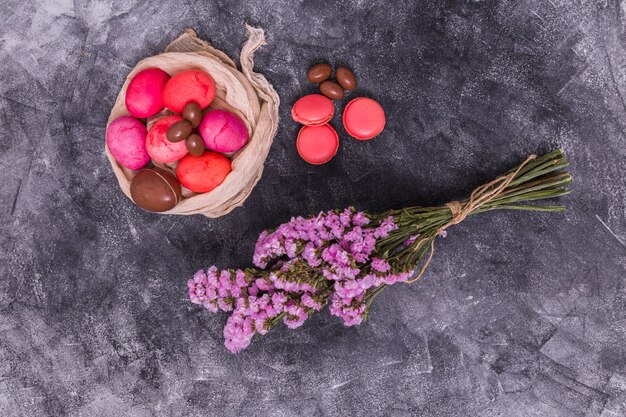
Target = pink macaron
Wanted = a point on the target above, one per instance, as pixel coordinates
(126, 140)
(317, 144)
(364, 118)
(159, 148)
(223, 131)
(143, 95)
(313, 109)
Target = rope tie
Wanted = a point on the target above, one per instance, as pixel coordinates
(479, 197)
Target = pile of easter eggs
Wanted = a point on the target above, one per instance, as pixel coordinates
(189, 138)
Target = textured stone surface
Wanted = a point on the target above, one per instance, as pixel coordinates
(520, 314)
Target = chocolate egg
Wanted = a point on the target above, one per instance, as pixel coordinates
(345, 77)
(154, 189)
(193, 113)
(332, 90)
(319, 72)
(178, 131)
(195, 144)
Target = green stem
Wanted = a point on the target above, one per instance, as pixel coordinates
(540, 179)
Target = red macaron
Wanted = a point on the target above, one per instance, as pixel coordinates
(313, 109)
(317, 144)
(363, 118)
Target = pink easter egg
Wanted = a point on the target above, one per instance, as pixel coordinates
(159, 148)
(143, 95)
(126, 140)
(223, 131)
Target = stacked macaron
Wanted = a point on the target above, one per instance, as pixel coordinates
(318, 141)
(185, 137)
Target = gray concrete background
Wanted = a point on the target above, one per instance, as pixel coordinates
(520, 314)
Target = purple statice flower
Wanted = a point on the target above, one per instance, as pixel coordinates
(329, 232)
(216, 290)
(350, 310)
(279, 299)
(238, 333)
(308, 301)
(345, 217)
(386, 226)
(309, 254)
(295, 316)
(331, 275)
(335, 255)
(348, 289)
(393, 278)
(326, 259)
(411, 240)
(354, 235)
(347, 272)
(251, 316)
(369, 281)
(362, 248)
(197, 288)
(264, 284)
(290, 248)
(267, 247)
(380, 265)
(360, 219)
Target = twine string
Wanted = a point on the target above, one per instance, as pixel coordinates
(479, 197)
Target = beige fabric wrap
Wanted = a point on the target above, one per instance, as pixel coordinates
(244, 92)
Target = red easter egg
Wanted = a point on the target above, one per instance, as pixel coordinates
(187, 86)
(203, 173)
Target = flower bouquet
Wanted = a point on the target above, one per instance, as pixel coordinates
(344, 258)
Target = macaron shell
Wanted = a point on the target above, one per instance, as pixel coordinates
(203, 173)
(364, 118)
(159, 148)
(313, 109)
(186, 86)
(317, 144)
(223, 131)
(126, 140)
(143, 95)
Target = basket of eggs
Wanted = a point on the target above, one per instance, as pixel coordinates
(189, 132)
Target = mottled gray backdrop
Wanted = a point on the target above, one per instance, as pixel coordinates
(520, 314)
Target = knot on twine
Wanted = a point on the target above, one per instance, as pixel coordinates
(458, 214)
(479, 197)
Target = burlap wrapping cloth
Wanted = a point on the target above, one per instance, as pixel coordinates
(245, 93)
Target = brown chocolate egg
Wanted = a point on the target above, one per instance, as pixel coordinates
(195, 144)
(154, 189)
(193, 113)
(178, 131)
(319, 72)
(345, 77)
(332, 90)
